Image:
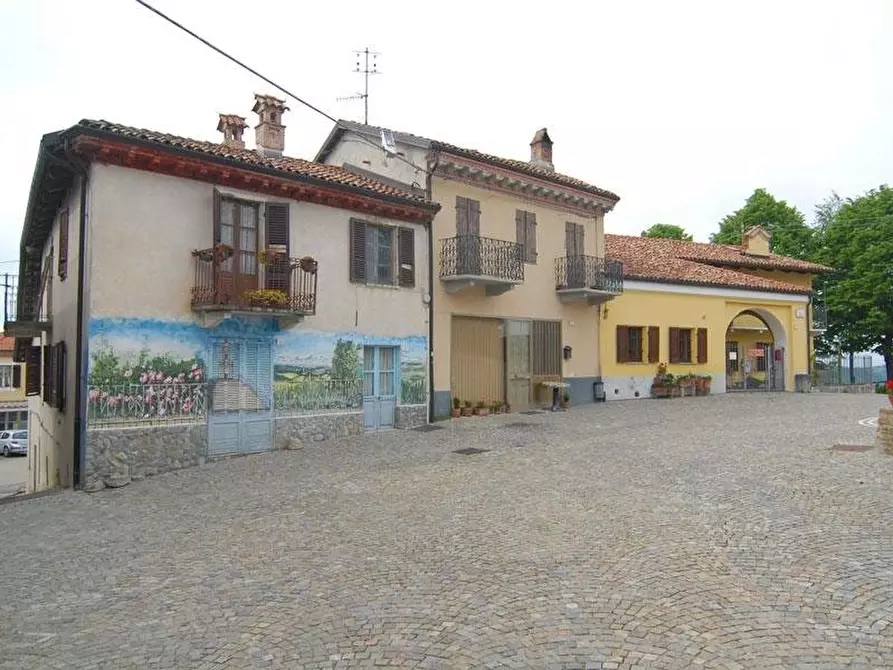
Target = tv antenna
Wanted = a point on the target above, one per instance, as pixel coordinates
(367, 64)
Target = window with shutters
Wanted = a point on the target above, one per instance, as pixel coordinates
(468, 216)
(525, 234)
(630, 347)
(32, 371)
(381, 254)
(680, 345)
(8, 377)
(63, 244)
(277, 271)
(574, 243)
(653, 344)
(546, 346)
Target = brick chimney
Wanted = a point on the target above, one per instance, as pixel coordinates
(232, 127)
(541, 150)
(269, 133)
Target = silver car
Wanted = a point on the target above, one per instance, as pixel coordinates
(14, 442)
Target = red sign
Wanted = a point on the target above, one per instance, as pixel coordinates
(756, 353)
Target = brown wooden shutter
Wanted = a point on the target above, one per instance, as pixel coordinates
(276, 273)
(216, 215)
(622, 344)
(461, 215)
(653, 344)
(674, 345)
(530, 237)
(59, 377)
(474, 217)
(702, 345)
(48, 374)
(569, 238)
(406, 256)
(32, 371)
(358, 252)
(17, 376)
(63, 244)
(579, 245)
(521, 232)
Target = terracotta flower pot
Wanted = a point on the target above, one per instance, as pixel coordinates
(456, 413)
(467, 411)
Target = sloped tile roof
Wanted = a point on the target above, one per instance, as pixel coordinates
(320, 172)
(673, 261)
(525, 168)
(508, 163)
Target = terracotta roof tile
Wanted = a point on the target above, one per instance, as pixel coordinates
(331, 174)
(526, 168)
(673, 261)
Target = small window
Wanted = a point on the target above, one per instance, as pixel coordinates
(7, 377)
(379, 255)
(630, 344)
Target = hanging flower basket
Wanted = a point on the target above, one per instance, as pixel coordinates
(308, 265)
(222, 252)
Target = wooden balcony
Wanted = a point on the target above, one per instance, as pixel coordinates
(589, 278)
(471, 260)
(288, 285)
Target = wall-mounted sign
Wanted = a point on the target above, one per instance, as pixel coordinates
(756, 353)
(733, 355)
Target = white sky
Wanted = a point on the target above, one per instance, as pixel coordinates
(682, 108)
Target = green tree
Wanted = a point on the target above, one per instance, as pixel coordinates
(667, 231)
(345, 360)
(857, 242)
(790, 234)
(105, 368)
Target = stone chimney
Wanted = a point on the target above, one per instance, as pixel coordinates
(232, 127)
(757, 241)
(541, 150)
(269, 133)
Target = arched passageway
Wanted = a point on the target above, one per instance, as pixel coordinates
(756, 352)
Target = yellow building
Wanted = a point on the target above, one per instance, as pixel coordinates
(13, 402)
(740, 314)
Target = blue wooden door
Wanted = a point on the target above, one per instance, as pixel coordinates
(241, 373)
(380, 369)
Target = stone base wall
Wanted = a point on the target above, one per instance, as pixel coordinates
(885, 430)
(117, 456)
(412, 416)
(846, 388)
(293, 432)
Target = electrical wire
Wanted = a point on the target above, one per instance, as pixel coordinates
(272, 83)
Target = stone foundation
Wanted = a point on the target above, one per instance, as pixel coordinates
(851, 388)
(885, 430)
(293, 432)
(412, 416)
(117, 456)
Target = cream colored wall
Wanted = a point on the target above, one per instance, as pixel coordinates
(51, 432)
(359, 153)
(690, 310)
(535, 298)
(146, 226)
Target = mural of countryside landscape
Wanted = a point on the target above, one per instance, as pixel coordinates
(143, 371)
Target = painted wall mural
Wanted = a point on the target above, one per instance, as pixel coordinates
(144, 370)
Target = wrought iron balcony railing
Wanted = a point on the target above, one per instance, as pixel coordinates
(475, 256)
(230, 282)
(819, 316)
(588, 272)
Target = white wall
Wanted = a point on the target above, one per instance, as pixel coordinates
(354, 151)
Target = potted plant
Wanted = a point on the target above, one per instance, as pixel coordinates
(265, 297)
(482, 409)
(457, 409)
(467, 408)
(888, 389)
(565, 399)
(507, 408)
(707, 381)
(308, 265)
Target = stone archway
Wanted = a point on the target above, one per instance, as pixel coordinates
(756, 352)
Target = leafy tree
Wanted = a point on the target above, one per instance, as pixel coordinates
(790, 234)
(105, 365)
(667, 231)
(858, 242)
(345, 360)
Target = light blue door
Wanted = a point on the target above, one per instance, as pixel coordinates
(241, 373)
(379, 386)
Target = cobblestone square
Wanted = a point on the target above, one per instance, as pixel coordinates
(718, 532)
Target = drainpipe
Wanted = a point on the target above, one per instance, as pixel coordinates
(428, 180)
(80, 426)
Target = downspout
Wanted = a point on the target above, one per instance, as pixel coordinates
(428, 192)
(81, 358)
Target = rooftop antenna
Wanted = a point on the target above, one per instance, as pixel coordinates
(365, 67)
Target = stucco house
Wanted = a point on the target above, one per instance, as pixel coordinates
(183, 299)
(519, 267)
(738, 313)
(13, 402)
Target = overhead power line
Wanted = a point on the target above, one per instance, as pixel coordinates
(272, 83)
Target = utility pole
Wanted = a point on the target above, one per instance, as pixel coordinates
(367, 64)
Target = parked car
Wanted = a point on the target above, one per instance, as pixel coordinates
(15, 442)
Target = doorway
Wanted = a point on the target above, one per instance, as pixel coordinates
(518, 363)
(755, 353)
(380, 365)
(237, 229)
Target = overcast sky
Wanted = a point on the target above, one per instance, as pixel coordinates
(682, 108)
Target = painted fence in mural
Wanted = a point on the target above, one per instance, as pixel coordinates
(144, 372)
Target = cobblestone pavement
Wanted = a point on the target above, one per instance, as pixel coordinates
(717, 532)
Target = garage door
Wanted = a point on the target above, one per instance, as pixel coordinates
(477, 358)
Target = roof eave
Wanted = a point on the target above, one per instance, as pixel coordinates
(693, 282)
